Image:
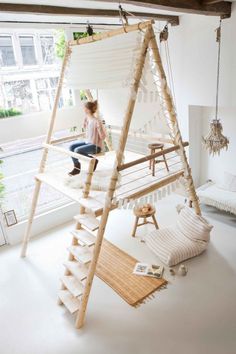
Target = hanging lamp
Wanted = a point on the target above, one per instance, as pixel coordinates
(215, 140)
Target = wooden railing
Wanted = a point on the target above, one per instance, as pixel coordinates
(150, 157)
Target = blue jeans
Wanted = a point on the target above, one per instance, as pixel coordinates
(83, 148)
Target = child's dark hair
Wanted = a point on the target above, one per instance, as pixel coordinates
(92, 106)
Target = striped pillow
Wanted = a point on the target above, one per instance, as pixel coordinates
(193, 226)
(187, 239)
(172, 247)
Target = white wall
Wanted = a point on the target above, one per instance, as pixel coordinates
(214, 167)
(194, 56)
(36, 124)
(194, 60)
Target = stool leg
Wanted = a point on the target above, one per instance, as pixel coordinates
(153, 164)
(155, 221)
(151, 161)
(135, 226)
(164, 158)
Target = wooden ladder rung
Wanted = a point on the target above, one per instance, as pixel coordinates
(84, 237)
(79, 271)
(91, 204)
(71, 303)
(87, 220)
(81, 254)
(73, 285)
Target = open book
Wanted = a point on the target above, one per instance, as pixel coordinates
(148, 270)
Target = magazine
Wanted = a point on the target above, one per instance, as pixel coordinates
(148, 270)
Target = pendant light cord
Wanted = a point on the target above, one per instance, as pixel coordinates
(218, 39)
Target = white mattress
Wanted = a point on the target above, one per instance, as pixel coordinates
(220, 198)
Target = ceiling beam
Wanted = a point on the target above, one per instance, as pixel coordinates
(83, 12)
(201, 7)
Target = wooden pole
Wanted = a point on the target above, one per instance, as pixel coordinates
(67, 138)
(67, 152)
(45, 154)
(99, 36)
(114, 178)
(170, 113)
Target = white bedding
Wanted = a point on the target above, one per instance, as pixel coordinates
(220, 198)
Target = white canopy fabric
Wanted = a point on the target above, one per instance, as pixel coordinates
(108, 63)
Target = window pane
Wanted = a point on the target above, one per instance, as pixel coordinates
(47, 45)
(7, 57)
(27, 50)
(18, 95)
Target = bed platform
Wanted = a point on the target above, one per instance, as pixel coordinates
(134, 181)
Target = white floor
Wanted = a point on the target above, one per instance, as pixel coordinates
(195, 314)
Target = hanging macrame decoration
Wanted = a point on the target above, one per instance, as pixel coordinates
(215, 140)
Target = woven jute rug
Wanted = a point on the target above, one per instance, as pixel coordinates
(115, 268)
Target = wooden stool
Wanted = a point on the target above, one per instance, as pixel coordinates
(153, 148)
(144, 215)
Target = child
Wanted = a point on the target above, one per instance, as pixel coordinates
(95, 135)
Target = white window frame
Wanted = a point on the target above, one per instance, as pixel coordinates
(41, 51)
(12, 67)
(33, 66)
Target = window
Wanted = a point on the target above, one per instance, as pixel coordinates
(27, 50)
(7, 57)
(46, 91)
(18, 95)
(47, 46)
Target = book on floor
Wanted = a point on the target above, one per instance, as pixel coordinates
(148, 270)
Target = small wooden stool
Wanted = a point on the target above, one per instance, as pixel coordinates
(153, 148)
(144, 215)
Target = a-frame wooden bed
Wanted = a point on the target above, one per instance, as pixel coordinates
(101, 205)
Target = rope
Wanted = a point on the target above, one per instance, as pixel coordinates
(148, 183)
(218, 39)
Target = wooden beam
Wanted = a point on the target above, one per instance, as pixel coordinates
(82, 12)
(219, 8)
(115, 32)
(150, 157)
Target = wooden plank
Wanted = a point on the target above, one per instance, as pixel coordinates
(87, 220)
(82, 12)
(73, 285)
(84, 237)
(220, 8)
(75, 194)
(81, 254)
(79, 271)
(150, 157)
(91, 204)
(71, 303)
